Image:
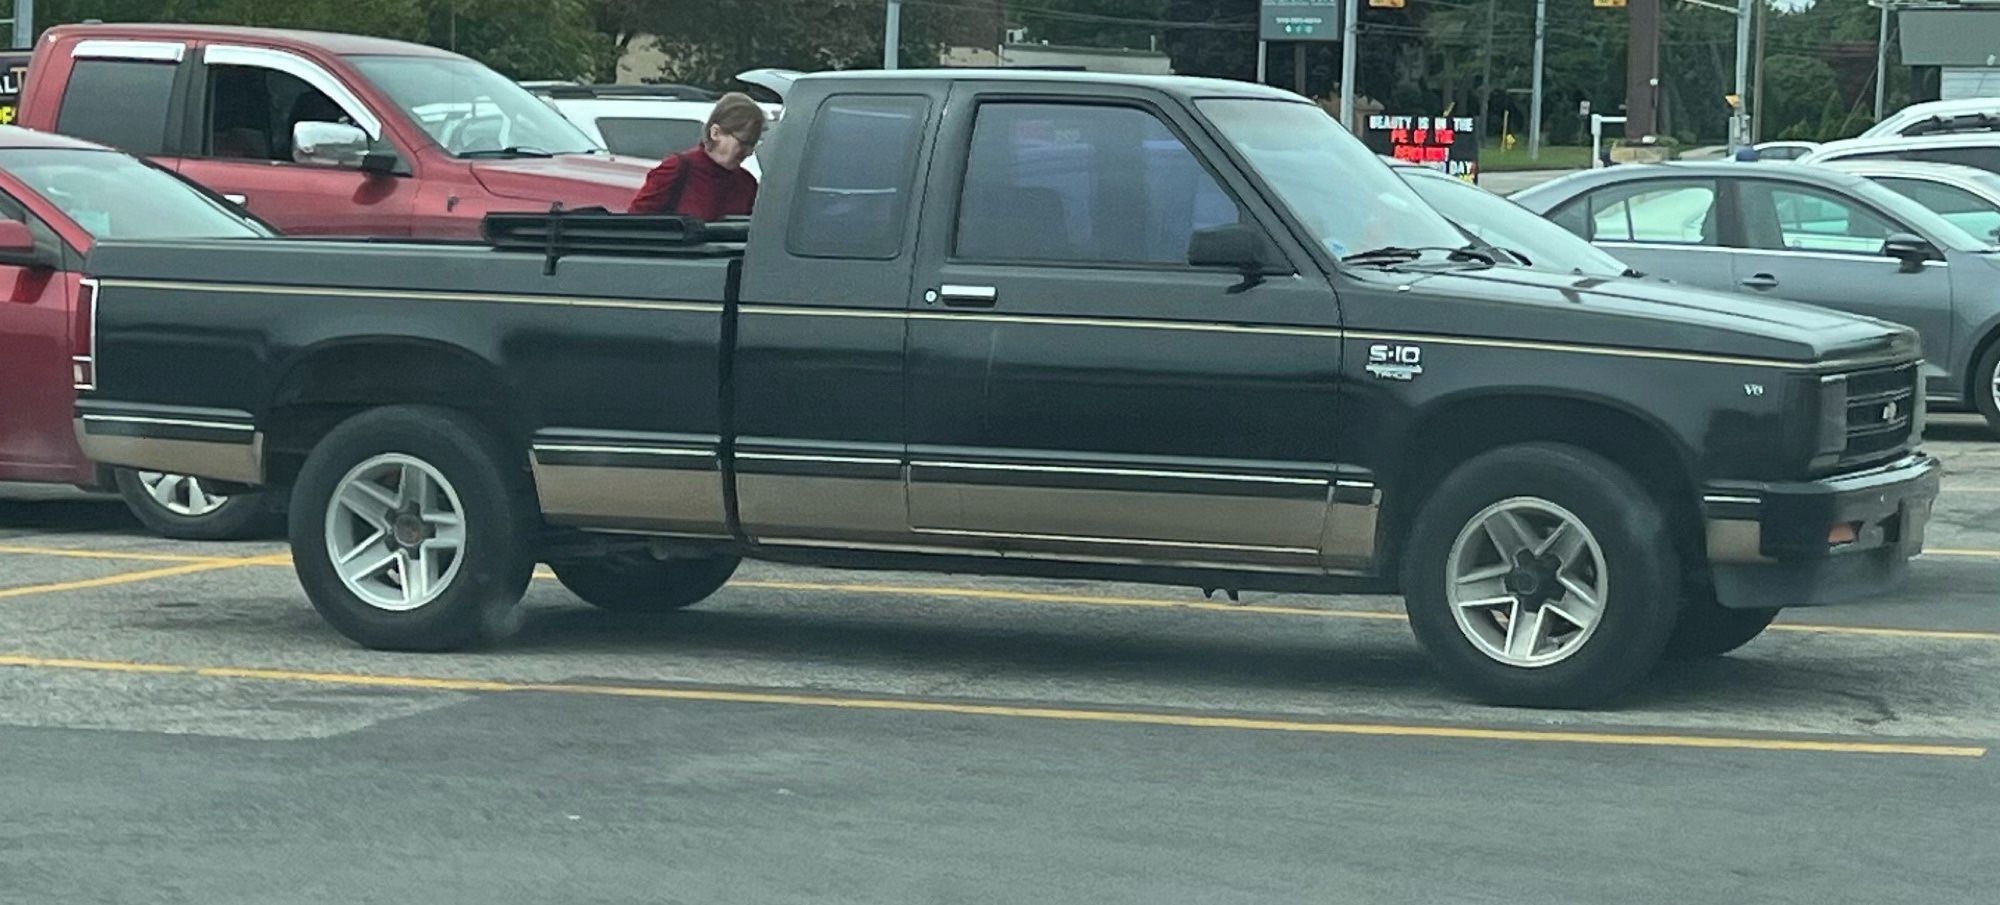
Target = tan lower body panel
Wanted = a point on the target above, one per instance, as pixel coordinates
(668, 500)
(239, 462)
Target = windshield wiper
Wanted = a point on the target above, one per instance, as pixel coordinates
(1397, 254)
(505, 153)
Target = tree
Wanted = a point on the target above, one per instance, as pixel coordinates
(706, 42)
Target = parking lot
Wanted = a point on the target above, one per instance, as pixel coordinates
(177, 723)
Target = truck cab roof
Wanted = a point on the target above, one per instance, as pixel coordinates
(1188, 87)
(329, 42)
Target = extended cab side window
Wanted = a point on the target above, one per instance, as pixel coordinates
(1083, 183)
(854, 190)
(1657, 211)
(121, 103)
(252, 111)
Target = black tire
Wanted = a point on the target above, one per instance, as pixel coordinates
(479, 602)
(1639, 565)
(635, 583)
(1709, 629)
(1984, 373)
(244, 516)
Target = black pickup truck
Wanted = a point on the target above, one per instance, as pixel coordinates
(1044, 324)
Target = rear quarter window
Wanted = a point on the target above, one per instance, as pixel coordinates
(121, 103)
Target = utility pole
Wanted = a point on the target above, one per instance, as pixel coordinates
(1349, 50)
(1881, 60)
(1642, 69)
(1739, 122)
(1486, 65)
(1757, 100)
(24, 24)
(1535, 96)
(892, 34)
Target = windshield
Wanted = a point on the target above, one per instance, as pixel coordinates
(470, 110)
(1340, 191)
(1509, 226)
(113, 196)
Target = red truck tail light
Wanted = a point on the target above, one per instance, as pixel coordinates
(83, 336)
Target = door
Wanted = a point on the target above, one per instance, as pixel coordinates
(37, 392)
(1075, 389)
(248, 102)
(818, 353)
(1662, 227)
(1810, 245)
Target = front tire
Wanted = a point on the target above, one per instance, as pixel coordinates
(413, 528)
(183, 508)
(1986, 387)
(1541, 575)
(635, 583)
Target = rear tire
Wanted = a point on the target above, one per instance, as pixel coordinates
(635, 583)
(413, 528)
(1709, 629)
(1541, 575)
(1986, 387)
(182, 508)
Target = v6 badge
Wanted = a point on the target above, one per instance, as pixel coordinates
(1395, 362)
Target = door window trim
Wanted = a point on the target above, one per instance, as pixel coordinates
(300, 68)
(957, 194)
(139, 51)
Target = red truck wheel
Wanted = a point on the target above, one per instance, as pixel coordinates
(413, 528)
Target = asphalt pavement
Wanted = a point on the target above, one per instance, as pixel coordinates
(176, 725)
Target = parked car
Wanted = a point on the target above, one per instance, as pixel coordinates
(1155, 329)
(1977, 114)
(1969, 198)
(645, 122)
(1809, 234)
(1508, 227)
(1976, 150)
(322, 133)
(1784, 150)
(58, 198)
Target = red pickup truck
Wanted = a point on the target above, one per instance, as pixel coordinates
(59, 197)
(322, 134)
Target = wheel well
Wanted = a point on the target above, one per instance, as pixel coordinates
(332, 384)
(1971, 375)
(1461, 430)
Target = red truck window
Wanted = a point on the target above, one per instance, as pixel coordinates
(121, 103)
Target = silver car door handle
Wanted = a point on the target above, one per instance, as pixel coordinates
(959, 296)
(1758, 281)
(238, 200)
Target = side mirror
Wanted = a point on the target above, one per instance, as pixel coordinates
(329, 144)
(18, 247)
(1909, 249)
(1233, 245)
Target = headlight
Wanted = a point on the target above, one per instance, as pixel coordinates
(1832, 432)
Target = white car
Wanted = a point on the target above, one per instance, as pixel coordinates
(645, 121)
(1980, 150)
(1930, 117)
(1968, 198)
(1785, 150)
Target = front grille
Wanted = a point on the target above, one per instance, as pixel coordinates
(1881, 413)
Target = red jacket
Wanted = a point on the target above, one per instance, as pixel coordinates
(692, 183)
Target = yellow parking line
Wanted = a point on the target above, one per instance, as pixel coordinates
(191, 564)
(133, 577)
(1947, 551)
(1070, 714)
(73, 553)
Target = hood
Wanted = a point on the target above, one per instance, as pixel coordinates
(1640, 314)
(576, 180)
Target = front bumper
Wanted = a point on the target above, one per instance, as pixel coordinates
(1787, 544)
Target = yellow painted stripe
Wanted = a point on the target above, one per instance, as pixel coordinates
(1947, 551)
(1071, 714)
(74, 553)
(133, 577)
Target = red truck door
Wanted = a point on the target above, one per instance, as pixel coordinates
(246, 106)
(36, 394)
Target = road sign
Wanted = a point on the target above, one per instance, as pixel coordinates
(1386, 4)
(1608, 4)
(1299, 20)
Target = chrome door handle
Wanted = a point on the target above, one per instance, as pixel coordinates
(238, 200)
(1758, 281)
(959, 296)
